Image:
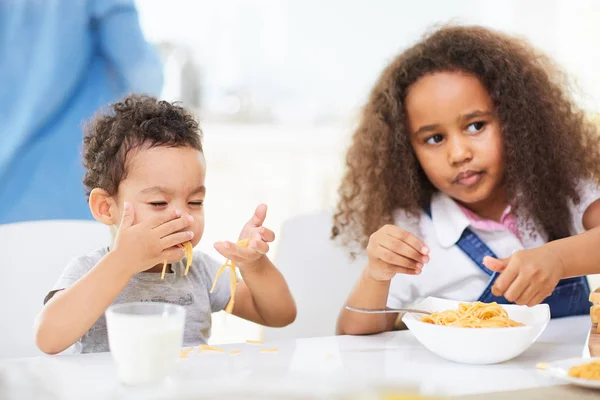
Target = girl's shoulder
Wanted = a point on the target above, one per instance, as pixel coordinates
(408, 221)
(589, 191)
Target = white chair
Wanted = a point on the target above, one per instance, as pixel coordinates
(320, 275)
(34, 254)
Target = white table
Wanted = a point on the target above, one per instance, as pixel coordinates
(317, 365)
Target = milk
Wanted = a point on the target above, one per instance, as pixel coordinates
(144, 342)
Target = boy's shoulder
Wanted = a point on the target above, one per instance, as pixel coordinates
(87, 261)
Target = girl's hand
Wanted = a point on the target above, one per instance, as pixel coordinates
(392, 250)
(148, 243)
(260, 237)
(528, 276)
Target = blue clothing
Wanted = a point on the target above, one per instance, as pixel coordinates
(570, 297)
(61, 61)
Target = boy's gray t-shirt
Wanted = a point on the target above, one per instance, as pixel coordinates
(191, 291)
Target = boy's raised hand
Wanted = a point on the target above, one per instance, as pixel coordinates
(148, 243)
(259, 236)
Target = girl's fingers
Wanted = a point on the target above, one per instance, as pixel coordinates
(505, 280)
(527, 295)
(403, 249)
(396, 260)
(407, 271)
(407, 238)
(538, 298)
(516, 288)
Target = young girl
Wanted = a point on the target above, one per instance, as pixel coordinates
(470, 151)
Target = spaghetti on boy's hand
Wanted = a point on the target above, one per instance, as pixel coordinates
(232, 277)
(258, 238)
(528, 276)
(247, 252)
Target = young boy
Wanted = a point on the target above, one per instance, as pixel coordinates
(145, 173)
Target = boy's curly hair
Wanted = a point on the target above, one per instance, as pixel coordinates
(135, 121)
(549, 145)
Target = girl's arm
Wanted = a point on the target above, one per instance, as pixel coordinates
(391, 251)
(529, 276)
(367, 293)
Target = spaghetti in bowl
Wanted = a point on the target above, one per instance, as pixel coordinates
(462, 332)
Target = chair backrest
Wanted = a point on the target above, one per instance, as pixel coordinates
(320, 274)
(33, 256)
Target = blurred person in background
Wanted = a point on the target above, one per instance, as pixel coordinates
(60, 60)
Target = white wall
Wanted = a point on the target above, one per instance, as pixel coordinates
(297, 72)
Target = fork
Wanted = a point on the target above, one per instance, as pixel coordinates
(385, 310)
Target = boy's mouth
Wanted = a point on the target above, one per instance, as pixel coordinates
(468, 178)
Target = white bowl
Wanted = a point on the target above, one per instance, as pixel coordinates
(478, 345)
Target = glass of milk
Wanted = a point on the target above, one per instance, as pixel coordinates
(145, 340)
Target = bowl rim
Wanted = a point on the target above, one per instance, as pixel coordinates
(411, 318)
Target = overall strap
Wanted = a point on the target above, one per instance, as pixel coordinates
(472, 246)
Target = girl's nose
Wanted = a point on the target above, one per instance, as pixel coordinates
(459, 150)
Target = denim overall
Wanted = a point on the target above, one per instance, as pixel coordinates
(570, 297)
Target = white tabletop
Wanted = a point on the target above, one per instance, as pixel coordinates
(313, 366)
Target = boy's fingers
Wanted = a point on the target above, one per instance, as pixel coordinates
(266, 234)
(163, 218)
(128, 216)
(173, 254)
(238, 253)
(259, 246)
(259, 216)
(407, 238)
(174, 225)
(175, 239)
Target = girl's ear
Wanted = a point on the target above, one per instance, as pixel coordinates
(103, 207)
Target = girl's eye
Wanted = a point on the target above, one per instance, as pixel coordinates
(435, 139)
(475, 127)
(196, 203)
(158, 203)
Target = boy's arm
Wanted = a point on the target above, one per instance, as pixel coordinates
(72, 312)
(263, 296)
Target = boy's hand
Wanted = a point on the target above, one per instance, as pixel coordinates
(259, 236)
(528, 276)
(149, 243)
(392, 250)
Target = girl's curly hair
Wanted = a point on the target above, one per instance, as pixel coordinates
(135, 121)
(550, 146)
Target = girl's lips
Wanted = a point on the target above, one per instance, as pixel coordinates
(468, 178)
